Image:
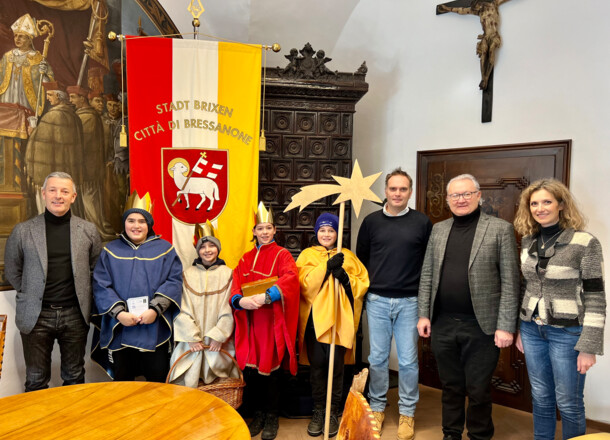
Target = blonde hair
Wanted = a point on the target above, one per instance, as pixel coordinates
(569, 217)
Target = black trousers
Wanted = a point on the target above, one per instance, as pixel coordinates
(319, 355)
(466, 359)
(130, 362)
(262, 392)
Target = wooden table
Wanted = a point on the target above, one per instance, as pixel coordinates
(119, 410)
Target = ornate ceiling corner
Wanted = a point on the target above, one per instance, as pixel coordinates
(159, 16)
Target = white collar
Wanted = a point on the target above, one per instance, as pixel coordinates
(401, 213)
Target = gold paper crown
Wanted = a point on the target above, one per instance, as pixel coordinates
(134, 201)
(262, 215)
(205, 230)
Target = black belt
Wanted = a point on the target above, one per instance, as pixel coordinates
(56, 307)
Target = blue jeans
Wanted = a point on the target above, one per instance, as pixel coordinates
(551, 365)
(398, 317)
(69, 328)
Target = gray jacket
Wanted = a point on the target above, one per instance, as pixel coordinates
(493, 273)
(25, 265)
(571, 288)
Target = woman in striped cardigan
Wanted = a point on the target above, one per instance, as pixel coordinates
(563, 305)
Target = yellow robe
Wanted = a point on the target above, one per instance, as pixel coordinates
(319, 299)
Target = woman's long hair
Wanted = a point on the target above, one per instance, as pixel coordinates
(569, 217)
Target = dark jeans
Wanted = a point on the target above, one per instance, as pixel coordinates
(319, 355)
(466, 359)
(67, 326)
(131, 362)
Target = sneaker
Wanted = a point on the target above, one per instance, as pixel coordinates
(316, 426)
(257, 423)
(406, 428)
(333, 428)
(379, 416)
(272, 424)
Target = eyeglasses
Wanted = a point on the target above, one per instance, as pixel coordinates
(456, 196)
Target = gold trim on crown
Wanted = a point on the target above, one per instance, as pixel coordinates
(263, 215)
(205, 230)
(135, 202)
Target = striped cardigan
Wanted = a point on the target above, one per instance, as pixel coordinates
(571, 291)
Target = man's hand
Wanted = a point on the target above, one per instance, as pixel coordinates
(43, 67)
(249, 303)
(519, 342)
(196, 346)
(584, 362)
(128, 319)
(424, 327)
(148, 317)
(503, 339)
(215, 345)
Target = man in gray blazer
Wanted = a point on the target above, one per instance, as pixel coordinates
(49, 260)
(468, 304)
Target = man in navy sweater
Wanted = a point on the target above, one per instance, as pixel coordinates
(392, 244)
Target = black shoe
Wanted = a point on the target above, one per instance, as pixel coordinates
(257, 423)
(333, 428)
(451, 437)
(271, 425)
(316, 426)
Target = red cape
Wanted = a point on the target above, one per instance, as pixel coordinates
(263, 336)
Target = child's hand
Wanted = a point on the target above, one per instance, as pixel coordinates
(196, 346)
(215, 345)
(249, 303)
(128, 319)
(148, 317)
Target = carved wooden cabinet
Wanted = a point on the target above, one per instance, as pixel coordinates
(308, 121)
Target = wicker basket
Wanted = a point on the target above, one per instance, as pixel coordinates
(229, 389)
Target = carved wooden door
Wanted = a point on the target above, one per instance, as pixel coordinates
(503, 172)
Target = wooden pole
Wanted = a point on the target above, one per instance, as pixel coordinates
(331, 360)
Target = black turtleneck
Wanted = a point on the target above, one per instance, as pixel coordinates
(547, 237)
(59, 288)
(453, 296)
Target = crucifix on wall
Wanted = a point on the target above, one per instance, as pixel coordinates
(489, 41)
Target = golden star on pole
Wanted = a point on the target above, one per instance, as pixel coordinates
(355, 189)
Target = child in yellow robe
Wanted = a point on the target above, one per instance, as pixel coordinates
(319, 266)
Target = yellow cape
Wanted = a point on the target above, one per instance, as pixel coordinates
(319, 299)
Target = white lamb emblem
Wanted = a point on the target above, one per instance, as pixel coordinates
(203, 186)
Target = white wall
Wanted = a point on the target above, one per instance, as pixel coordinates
(551, 83)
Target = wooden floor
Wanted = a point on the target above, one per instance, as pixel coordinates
(510, 424)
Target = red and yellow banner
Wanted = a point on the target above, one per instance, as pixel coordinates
(194, 124)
